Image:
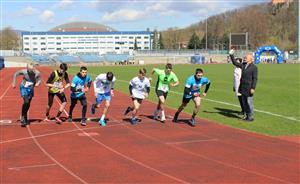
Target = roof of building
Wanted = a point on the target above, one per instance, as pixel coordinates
(81, 27)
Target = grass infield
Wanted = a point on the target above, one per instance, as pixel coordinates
(276, 99)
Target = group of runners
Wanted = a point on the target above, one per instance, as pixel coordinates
(139, 88)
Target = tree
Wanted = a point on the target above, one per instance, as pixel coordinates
(160, 41)
(194, 42)
(9, 39)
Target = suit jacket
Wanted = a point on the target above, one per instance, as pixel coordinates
(249, 76)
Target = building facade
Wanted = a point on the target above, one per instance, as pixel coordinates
(86, 42)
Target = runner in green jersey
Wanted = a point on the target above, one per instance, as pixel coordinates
(165, 79)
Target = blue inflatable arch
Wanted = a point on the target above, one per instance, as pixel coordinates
(272, 48)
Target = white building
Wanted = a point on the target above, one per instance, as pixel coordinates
(118, 42)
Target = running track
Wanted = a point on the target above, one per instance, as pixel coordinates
(150, 152)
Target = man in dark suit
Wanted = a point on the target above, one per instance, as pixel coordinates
(248, 83)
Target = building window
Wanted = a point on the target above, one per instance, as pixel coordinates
(58, 48)
(117, 48)
(146, 37)
(117, 37)
(58, 38)
(26, 38)
(58, 43)
(146, 47)
(35, 48)
(130, 37)
(43, 48)
(26, 49)
(43, 38)
(43, 43)
(34, 38)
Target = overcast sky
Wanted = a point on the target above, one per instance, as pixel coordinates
(125, 15)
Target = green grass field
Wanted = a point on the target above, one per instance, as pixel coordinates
(276, 98)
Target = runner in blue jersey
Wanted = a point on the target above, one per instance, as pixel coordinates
(31, 78)
(81, 84)
(192, 91)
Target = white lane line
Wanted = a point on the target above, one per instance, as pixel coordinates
(53, 159)
(30, 166)
(5, 92)
(192, 141)
(55, 133)
(127, 157)
(205, 157)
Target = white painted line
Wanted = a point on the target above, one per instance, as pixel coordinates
(229, 104)
(5, 121)
(9, 86)
(31, 166)
(127, 157)
(191, 141)
(53, 159)
(55, 133)
(87, 134)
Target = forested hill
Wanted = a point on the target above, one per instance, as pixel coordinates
(262, 25)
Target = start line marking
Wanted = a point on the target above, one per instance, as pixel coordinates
(192, 141)
(5, 121)
(30, 166)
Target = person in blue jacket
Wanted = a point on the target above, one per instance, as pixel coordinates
(192, 91)
(81, 84)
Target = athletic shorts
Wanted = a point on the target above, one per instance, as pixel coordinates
(186, 100)
(61, 97)
(26, 92)
(101, 96)
(139, 100)
(161, 93)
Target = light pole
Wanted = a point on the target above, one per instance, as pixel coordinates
(206, 34)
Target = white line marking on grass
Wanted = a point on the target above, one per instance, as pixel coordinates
(30, 166)
(191, 141)
(229, 104)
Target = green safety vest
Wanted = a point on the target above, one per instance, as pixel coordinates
(57, 81)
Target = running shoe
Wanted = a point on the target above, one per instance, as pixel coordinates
(58, 120)
(193, 122)
(83, 122)
(23, 121)
(133, 121)
(102, 122)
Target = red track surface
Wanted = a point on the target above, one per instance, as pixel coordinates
(150, 152)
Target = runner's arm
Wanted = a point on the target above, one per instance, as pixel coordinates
(20, 72)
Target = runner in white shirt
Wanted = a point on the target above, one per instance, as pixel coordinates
(104, 88)
(139, 88)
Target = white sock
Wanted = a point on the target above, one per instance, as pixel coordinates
(163, 115)
(102, 117)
